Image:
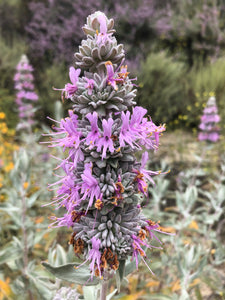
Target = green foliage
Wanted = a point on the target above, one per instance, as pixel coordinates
(9, 57)
(196, 212)
(177, 97)
(49, 78)
(24, 234)
(162, 82)
(7, 104)
(195, 29)
(68, 272)
(190, 259)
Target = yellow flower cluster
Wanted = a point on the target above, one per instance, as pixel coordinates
(205, 94)
(7, 147)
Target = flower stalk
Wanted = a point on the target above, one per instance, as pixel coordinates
(25, 96)
(104, 289)
(104, 183)
(209, 120)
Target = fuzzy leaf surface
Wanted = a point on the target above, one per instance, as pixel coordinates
(69, 273)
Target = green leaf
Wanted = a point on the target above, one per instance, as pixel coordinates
(118, 281)
(120, 274)
(121, 269)
(32, 199)
(42, 289)
(109, 297)
(9, 253)
(89, 292)
(69, 273)
(130, 267)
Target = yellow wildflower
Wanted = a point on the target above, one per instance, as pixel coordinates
(2, 115)
(25, 185)
(9, 167)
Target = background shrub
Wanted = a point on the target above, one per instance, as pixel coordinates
(162, 81)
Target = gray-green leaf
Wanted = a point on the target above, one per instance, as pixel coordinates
(69, 273)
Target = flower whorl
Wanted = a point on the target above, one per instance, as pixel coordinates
(103, 179)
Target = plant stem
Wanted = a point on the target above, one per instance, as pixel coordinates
(104, 289)
(198, 167)
(25, 252)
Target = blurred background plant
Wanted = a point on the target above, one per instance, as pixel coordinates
(176, 49)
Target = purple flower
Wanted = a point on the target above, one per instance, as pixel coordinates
(210, 118)
(141, 240)
(209, 122)
(67, 193)
(142, 185)
(95, 255)
(66, 220)
(210, 110)
(106, 141)
(137, 117)
(90, 187)
(31, 96)
(202, 136)
(213, 136)
(137, 243)
(94, 134)
(89, 85)
(122, 75)
(70, 89)
(146, 131)
(119, 190)
(147, 173)
(102, 37)
(71, 138)
(151, 227)
(110, 75)
(126, 134)
(23, 84)
(24, 67)
(68, 126)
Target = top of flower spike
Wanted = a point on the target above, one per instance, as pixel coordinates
(98, 22)
(211, 101)
(24, 64)
(24, 59)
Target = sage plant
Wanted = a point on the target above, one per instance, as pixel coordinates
(209, 120)
(104, 183)
(25, 96)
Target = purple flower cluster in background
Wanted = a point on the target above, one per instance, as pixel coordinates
(209, 120)
(25, 96)
(103, 182)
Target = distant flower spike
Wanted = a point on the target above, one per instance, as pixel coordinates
(209, 120)
(25, 96)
